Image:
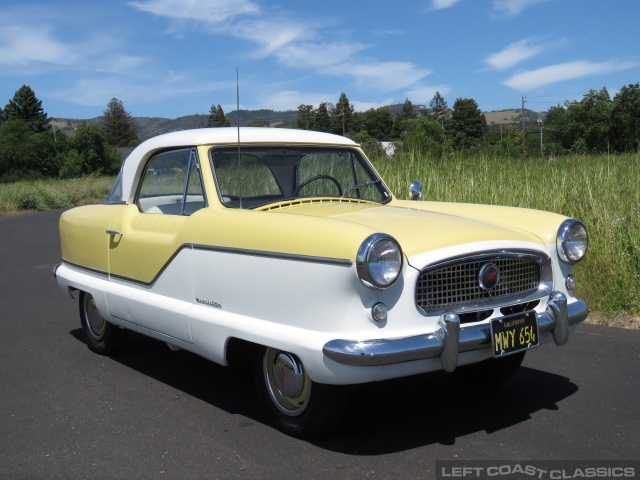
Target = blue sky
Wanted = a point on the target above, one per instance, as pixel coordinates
(169, 58)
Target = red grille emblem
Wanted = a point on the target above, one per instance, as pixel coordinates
(488, 276)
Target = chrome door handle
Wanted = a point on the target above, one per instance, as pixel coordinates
(113, 232)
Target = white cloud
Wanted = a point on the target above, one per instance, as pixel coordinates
(271, 38)
(294, 43)
(21, 45)
(33, 50)
(209, 11)
(96, 92)
(514, 54)
(442, 4)
(385, 76)
(513, 7)
(317, 55)
(565, 71)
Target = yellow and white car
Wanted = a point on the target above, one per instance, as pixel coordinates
(285, 248)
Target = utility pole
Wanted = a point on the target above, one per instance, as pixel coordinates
(524, 154)
(541, 145)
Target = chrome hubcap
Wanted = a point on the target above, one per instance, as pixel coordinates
(287, 382)
(96, 325)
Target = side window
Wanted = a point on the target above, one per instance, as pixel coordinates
(172, 184)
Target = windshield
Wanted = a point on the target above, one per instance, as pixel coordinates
(256, 176)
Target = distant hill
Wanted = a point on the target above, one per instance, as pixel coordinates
(151, 126)
(504, 117)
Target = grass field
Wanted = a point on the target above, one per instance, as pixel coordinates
(52, 193)
(602, 191)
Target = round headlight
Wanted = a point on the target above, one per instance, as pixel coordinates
(379, 261)
(572, 241)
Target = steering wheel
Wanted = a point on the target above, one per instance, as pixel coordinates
(313, 179)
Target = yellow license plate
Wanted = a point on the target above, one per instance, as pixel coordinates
(514, 333)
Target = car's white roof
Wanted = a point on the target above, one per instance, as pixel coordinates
(134, 163)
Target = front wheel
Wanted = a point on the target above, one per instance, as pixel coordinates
(297, 405)
(103, 337)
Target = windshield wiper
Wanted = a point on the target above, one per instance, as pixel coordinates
(355, 187)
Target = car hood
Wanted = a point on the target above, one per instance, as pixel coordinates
(416, 230)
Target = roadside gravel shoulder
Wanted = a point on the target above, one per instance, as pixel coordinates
(632, 323)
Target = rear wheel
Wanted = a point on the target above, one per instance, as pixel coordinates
(103, 337)
(297, 405)
(491, 372)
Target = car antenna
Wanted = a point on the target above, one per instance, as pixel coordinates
(238, 121)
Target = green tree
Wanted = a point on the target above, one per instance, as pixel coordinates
(506, 140)
(118, 126)
(342, 121)
(322, 119)
(423, 134)
(305, 117)
(371, 147)
(556, 128)
(438, 109)
(258, 123)
(405, 114)
(89, 153)
(625, 119)
(589, 122)
(378, 123)
(28, 154)
(467, 125)
(26, 107)
(217, 117)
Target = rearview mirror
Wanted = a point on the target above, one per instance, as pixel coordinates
(415, 191)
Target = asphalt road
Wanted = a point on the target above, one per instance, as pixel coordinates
(151, 413)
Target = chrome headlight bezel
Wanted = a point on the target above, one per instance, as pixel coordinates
(572, 241)
(369, 263)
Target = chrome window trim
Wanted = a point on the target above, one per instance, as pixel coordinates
(193, 156)
(363, 160)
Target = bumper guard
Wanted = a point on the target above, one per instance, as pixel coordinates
(451, 339)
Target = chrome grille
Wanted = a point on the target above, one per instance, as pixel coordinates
(455, 284)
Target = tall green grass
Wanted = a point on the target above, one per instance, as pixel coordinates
(602, 191)
(29, 195)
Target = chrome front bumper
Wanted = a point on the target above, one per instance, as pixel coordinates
(451, 339)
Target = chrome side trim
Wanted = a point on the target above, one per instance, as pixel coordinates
(82, 267)
(340, 262)
(398, 350)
